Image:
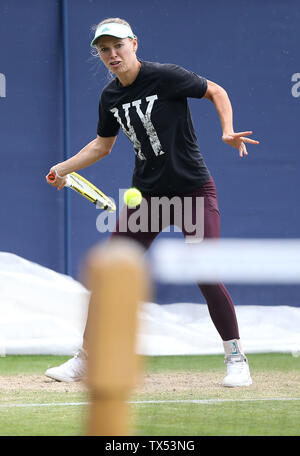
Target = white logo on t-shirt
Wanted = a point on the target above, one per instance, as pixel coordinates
(147, 123)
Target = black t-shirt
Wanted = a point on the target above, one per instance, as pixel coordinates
(154, 114)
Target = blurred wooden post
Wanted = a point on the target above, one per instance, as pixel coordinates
(118, 279)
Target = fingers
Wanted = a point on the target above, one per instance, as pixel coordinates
(249, 141)
(243, 150)
(238, 141)
(59, 187)
(241, 135)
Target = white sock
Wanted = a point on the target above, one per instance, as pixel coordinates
(233, 347)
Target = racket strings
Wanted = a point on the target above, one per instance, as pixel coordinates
(81, 186)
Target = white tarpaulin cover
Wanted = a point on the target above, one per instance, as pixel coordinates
(44, 312)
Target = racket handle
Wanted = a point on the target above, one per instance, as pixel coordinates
(51, 177)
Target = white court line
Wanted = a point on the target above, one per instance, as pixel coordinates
(179, 401)
(215, 401)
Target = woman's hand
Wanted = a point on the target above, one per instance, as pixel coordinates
(59, 182)
(238, 141)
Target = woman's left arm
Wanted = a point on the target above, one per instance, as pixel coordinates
(220, 99)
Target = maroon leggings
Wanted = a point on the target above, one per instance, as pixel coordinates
(218, 299)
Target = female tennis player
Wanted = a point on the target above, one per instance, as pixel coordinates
(149, 102)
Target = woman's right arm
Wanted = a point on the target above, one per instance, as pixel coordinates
(95, 150)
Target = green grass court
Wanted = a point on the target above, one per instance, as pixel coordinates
(32, 405)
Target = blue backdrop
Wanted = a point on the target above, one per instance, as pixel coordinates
(250, 48)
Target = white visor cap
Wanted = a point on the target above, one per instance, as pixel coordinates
(113, 29)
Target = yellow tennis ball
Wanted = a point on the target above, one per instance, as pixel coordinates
(132, 197)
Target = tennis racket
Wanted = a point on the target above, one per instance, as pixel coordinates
(86, 189)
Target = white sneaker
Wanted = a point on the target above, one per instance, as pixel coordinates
(72, 370)
(238, 373)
